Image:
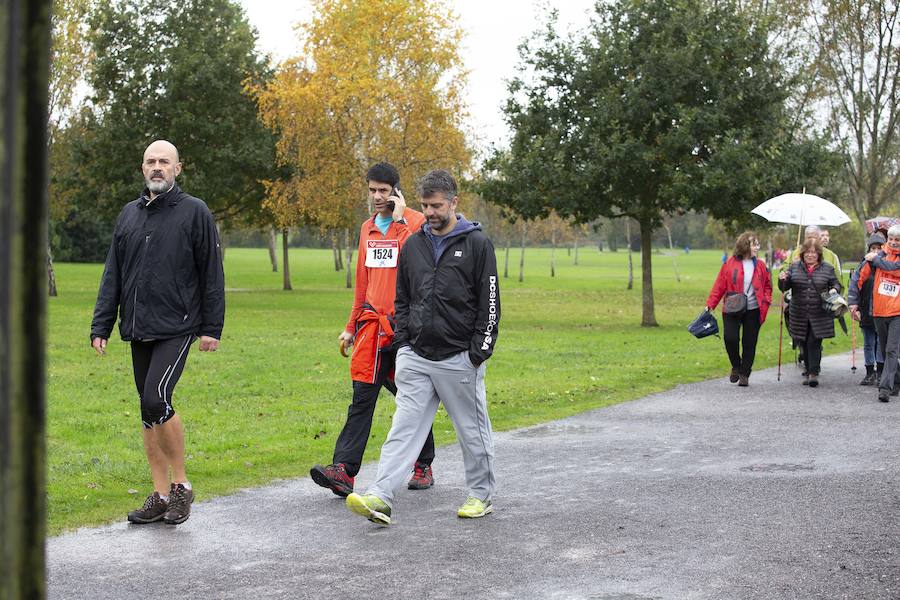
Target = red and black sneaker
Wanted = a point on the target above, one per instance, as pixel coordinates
(334, 477)
(422, 478)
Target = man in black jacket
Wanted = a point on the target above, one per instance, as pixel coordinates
(164, 279)
(447, 313)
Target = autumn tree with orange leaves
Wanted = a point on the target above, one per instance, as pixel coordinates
(376, 80)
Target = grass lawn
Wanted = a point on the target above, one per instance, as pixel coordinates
(272, 400)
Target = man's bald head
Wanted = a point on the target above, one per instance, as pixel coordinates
(163, 146)
(160, 167)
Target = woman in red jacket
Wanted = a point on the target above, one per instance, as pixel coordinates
(743, 274)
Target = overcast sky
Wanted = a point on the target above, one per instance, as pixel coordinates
(494, 29)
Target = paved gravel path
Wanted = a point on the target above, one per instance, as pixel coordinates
(706, 491)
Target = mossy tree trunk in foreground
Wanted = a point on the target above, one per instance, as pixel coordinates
(24, 56)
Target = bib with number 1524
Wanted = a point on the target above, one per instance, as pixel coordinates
(889, 288)
(382, 254)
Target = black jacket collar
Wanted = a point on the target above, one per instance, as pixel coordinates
(172, 197)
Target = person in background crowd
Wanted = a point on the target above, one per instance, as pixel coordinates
(860, 300)
(814, 232)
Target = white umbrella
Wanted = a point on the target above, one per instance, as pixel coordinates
(801, 209)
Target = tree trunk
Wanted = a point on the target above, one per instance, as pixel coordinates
(575, 244)
(506, 259)
(553, 254)
(221, 240)
(336, 251)
(286, 270)
(522, 255)
(672, 250)
(630, 260)
(25, 40)
(350, 260)
(273, 254)
(51, 274)
(648, 314)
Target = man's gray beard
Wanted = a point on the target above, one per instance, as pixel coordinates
(158, 187)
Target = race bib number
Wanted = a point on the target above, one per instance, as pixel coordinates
(889, 288)
(382, 254)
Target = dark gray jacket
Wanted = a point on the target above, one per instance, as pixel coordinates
(163, 276)
(806, 299)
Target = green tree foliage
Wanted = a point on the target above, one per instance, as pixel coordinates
(660, 107)
(172, 70)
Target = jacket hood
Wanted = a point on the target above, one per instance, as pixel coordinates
(463, 225)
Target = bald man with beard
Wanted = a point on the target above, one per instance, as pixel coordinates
(164, 281)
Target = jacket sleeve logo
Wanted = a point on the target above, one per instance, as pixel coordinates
(492, 314)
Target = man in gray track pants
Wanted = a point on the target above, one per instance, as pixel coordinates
(447, 313)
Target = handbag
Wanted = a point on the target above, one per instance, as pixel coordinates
(735, 303)
(834, 304)
(704, 325)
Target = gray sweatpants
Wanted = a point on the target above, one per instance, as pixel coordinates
(888, 329)
(421, 385)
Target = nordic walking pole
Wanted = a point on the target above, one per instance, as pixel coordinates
(852, 334)
(780, 334)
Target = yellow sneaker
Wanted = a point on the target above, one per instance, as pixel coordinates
(474, 508)
(371, 507)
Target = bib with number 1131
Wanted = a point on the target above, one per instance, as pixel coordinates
(382, 254)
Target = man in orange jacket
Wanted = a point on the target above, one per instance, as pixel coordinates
(885, 266)
(370, 331)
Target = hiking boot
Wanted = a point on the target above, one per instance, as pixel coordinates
(734, 376)
(883, 395)
(334, 477)
(879, 367)
(805, 379)
(371, 507)
(474, 508)
(153, 510)
(869, 379)
(422, 478)
(180, 499)
(813, 380)
(744, 381)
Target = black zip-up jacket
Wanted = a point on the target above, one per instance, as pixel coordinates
(163, 274)
(442, 309)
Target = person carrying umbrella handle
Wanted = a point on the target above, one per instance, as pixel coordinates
(743, 273)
